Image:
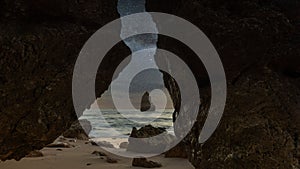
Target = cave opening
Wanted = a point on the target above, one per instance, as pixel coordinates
(137, 94)
(115, 124)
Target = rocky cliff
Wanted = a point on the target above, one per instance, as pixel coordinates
(39, 44)
(258, 42)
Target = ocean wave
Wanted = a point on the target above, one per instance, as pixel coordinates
(110, 123)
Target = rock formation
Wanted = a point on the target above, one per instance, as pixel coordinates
(258, 42)
(146, 104)
(34, 154)
(143, 162)
(39, 43)
(179, 151)
(124, 145)
(153, 144)
(111, 160)
(80, 129)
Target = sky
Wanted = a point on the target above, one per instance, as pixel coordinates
(105, 102)
(141, 74)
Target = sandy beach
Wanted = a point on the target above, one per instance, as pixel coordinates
(80, 156)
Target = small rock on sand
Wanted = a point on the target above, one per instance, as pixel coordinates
(102, 144)
(111, 160)
(93, 143)
(124, 145)
(61, 139)
(99, 153)
(59, 145)
(35, 153)
(143, 162)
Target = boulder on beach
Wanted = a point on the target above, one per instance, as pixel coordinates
(143, 162)
(102, 144)
(147, 131)
(99, 153)
(111, 160)
(124, 145)
(156, 140)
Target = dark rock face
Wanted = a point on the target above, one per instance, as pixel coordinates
(39, 44)
(257, 41)
(255, 132)
(145, 103)
(179, 151)
(34, 113)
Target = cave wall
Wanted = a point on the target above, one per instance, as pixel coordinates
(256, 40)
(258, 44)
(39, 43)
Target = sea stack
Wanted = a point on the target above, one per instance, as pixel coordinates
(146, 104)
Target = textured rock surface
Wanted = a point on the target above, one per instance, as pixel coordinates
(257, 131)
(179, 151)
(79, 130)
(35, 153)
(143, 162)
(151, 145)
(124, 145)
(102, 144)
(39, 43)
(99, 153)
(146, 104)
(258, 42)
(111, 160)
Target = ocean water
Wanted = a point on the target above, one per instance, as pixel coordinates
(112, 124)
